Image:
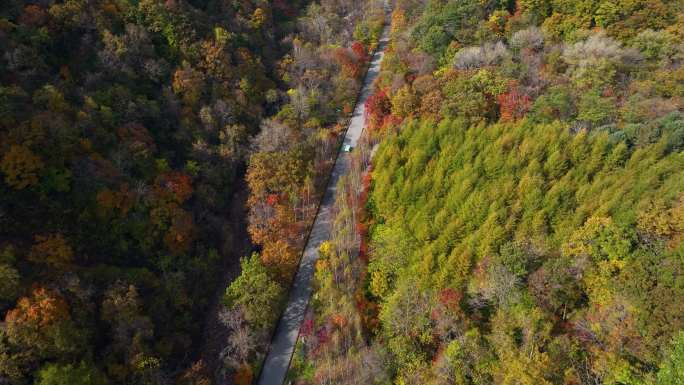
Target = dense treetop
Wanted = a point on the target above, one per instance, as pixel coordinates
(125, 130)
(523, 217)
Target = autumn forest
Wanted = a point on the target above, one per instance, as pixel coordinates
(512, 215)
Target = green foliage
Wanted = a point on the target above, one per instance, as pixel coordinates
(9, 276)
(595, 109)
(368, 31)
(556, 103)
(514, 258)
(254, 291)
(81, 374)
(444, 21)
(536, 10)
(542, 249)
(394, 246)
(672, 370)
(472, 96)
(657, 46)
(300, 367)
(596, 61)
(491, 208)
(406, 313)
(668, 129)
(622, 19)
(9, 282)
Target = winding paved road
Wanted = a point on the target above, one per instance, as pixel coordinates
(284, 340)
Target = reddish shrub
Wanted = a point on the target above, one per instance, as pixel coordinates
(322, 335)
(450, 298)
(351, 67)
(378, 106)
(307, 327)
(272, 199)
(244, 375)
(513, 104)
(174, 185)
(363, 250)
(360, 51)
(391, 121)
(33, 16)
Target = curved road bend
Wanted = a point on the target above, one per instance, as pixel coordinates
(282, 346)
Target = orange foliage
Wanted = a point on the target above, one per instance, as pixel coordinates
(107, 199)
(41, 324)
(359, 51)
(281, 255)
(188, 83)
(513, 104)
(613, 324)
(51, 249)
(363, 250)
(110, 8)
(391, 121)
(368, 310)
(33, 16)
(104, 168)
(272, 199)
(195, 375)
(339, 320)
(137, 138)
(398, 20)
(497, 22)
(677, 215)
(121, 200)
(450, 298)
(378, 106)
(42, 309)
(216, 60)
(351, 68)
(175, 186)
(244, 375)
(64, 72)
(430, 104)
(274, 172)
(180, 235)
(244, 56)
(278, 222)
(21, 167)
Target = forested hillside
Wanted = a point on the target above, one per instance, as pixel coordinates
(125, 130)
(522, 221)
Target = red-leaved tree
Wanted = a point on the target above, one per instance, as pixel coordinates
(378, 106)
(513, 104)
